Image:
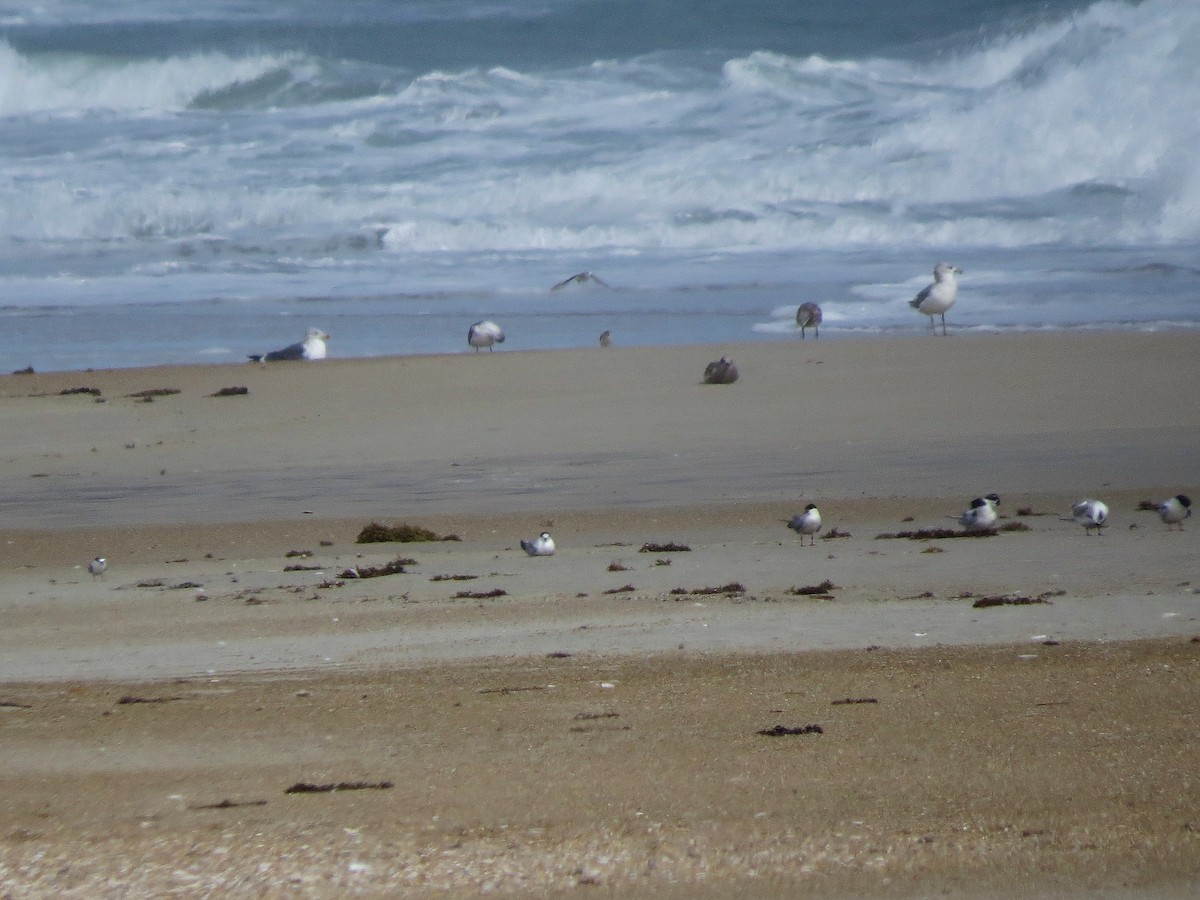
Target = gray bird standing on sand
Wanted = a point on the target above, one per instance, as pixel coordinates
(938, 297)
(807, 523)
(606, 339)
(809, 316)
(98, 566)
(484, 334)
(722, 371)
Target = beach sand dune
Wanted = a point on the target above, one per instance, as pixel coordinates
(1023, 706)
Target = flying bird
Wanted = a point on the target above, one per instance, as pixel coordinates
(1090, 514)
(485, 334)
(722, 371)
(580, 278)
(807, 523)
(980, 515)
(542, 545)
(809, 315)
(938, 297)
(312, 347)
(1174, 510)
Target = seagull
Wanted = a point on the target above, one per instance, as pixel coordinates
(809, 316)
(807, 522)
(1174, 510)
(579, 278)
(312, 347)
(484, 334)
(1090, 514)
(981, 514)
(940, 296)
(723, 371)
(606, 339)
(542, 545)
(98, 566)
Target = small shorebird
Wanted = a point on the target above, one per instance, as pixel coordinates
(1174, 510)
(1090, 514)
(809, 316)
(484, 334)
(606, 339)
(542, 545)
(807, 523)
(938, 297)
(98, 566)
(980, 515)
(722, 371)
(312, 347)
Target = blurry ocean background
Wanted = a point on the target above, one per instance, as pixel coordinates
(192, 182)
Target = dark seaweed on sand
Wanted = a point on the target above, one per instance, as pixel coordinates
(395, 567)
(624, 589)
(403, 534)
(814, 590)
(95, 392)
(301, 787)
(481, 595)
(926, 534)
(665, 548)
(231, 392)
(151, 393)
(734, 587)
(1006, 600)
(782, 730)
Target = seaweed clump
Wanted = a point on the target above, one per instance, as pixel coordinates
(402, 534)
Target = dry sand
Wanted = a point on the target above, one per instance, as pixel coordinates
(596, 726)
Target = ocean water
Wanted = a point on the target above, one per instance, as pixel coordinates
(186, 182)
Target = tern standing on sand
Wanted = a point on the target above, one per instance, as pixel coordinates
(485, 334)
(98, 566)
(807, 523)
(938, 297)
(809, 315)
(981, 514)
(1090, 514)
(1174, 510)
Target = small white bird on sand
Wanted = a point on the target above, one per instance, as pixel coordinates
(606, 339)
(542, 545)
(1090, 514)
(98, 566)
(484, 334)
(809, 315)
(722, 371)
(1174, 510)
(312, 347)
(980, 515)
(807, 523)
(938, 297)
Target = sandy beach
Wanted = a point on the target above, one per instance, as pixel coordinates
(968, 717)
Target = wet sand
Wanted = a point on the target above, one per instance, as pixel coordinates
(595, 725)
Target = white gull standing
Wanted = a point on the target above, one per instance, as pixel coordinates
(542, 545)
(938, 297)
(807, 523)
(485, 333)
(312, 347)
(1090, 514)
